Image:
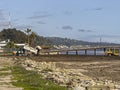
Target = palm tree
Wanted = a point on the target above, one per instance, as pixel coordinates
(28, 33)
(32, 38)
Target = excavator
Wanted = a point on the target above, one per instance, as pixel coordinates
(111, 52)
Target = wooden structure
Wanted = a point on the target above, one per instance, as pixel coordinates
(85, 49)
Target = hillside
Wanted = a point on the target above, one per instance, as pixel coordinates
(69, 42)
(14, 35)
(19, 36)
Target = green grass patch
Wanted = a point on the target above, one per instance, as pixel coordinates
(31, 80)
(5, 69)
(4, 73)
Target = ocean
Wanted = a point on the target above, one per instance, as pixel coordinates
(82, 52)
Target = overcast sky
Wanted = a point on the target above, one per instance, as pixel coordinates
(87, 20)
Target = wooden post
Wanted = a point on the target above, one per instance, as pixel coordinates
(67, 52)
(85, 51)
(76, 52)
(57, 53)
(94, 51)
(48, 53)
(104, 49)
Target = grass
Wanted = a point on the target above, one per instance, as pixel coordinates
(4, 71)
(31, 80)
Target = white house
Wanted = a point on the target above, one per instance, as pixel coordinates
(4, 43)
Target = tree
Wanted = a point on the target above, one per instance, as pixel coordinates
(28, 33)
(10, 45)
(18, 36)
(14, 35)
(32, 39)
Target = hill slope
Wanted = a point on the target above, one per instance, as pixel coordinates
(20, 37)
(69, 42)
(14, 35)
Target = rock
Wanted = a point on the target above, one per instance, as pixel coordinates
(72, 78)
(78, 87)
(117, 87)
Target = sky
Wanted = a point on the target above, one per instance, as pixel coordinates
(88, 20)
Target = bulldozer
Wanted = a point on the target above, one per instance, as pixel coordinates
(111, 52)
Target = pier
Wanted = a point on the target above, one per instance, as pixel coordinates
(84, 50)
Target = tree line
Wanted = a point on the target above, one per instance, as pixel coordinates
(24, 36)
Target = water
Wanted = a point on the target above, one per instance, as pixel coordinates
(82, 52)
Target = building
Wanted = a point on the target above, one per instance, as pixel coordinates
(4, 43)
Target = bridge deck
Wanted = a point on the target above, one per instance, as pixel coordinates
(103, 48)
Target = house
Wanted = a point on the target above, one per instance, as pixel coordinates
(4, 43)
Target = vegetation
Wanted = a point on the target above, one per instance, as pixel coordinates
(28, 34)
(11, 44)
(69, 42)
(40, 40)
(4, 71)
(17, 36)
(14, 35)
(31, 80)
(32, 39)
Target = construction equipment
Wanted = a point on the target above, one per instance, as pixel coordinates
(31, 49)
(111, 52)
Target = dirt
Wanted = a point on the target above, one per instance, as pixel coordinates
(97, 67)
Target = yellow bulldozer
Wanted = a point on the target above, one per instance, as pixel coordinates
(112, 52)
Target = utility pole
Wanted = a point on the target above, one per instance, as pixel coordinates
(28, 33)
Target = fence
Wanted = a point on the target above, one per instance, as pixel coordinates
(8, 51)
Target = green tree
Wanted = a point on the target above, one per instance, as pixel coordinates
(11, 44)
(18, 36)
(14, 35)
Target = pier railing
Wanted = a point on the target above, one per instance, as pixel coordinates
(76, 50)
